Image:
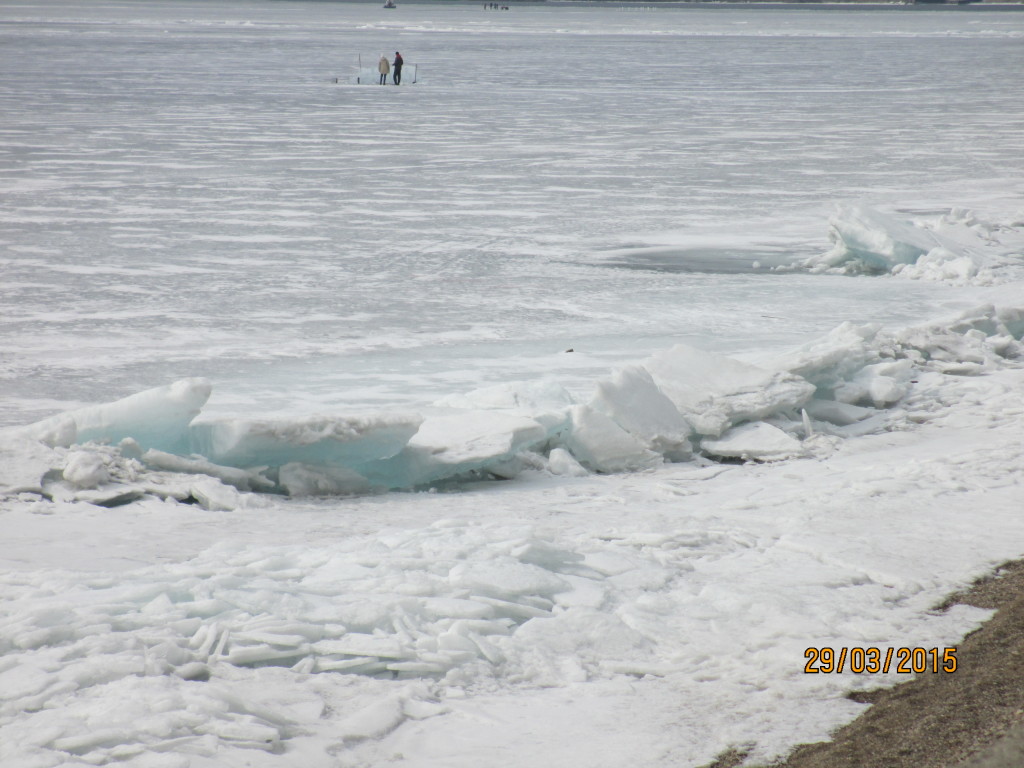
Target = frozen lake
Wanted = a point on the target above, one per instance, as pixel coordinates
(822, 207)
(188, 192)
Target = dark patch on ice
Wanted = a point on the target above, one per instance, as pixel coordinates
(705, 260)
(120, 499)
(732, 460)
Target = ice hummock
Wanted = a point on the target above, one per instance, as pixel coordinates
(714, 392)
(602, 445)
(955, 248)
(673, 406)
(631, 398)
(877, 240)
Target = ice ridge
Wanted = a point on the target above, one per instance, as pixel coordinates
(683, 404)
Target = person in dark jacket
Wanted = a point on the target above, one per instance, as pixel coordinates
(397, 76)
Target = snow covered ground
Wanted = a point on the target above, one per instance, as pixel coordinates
(295, 468)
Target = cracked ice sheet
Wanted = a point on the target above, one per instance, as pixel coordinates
(619, 606)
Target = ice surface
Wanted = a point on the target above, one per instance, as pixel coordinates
(370, 254)
(23, 462)
(455, 603)
(137, 303)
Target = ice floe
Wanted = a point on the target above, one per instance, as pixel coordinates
(156, 418)
(759, 441)
(956, 248)
(877, 240)
(713, 391)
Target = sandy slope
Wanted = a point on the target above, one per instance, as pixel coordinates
(971, 718)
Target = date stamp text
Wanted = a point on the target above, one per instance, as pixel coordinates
(858, 660)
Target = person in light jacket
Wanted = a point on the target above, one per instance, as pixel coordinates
(384, 68)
